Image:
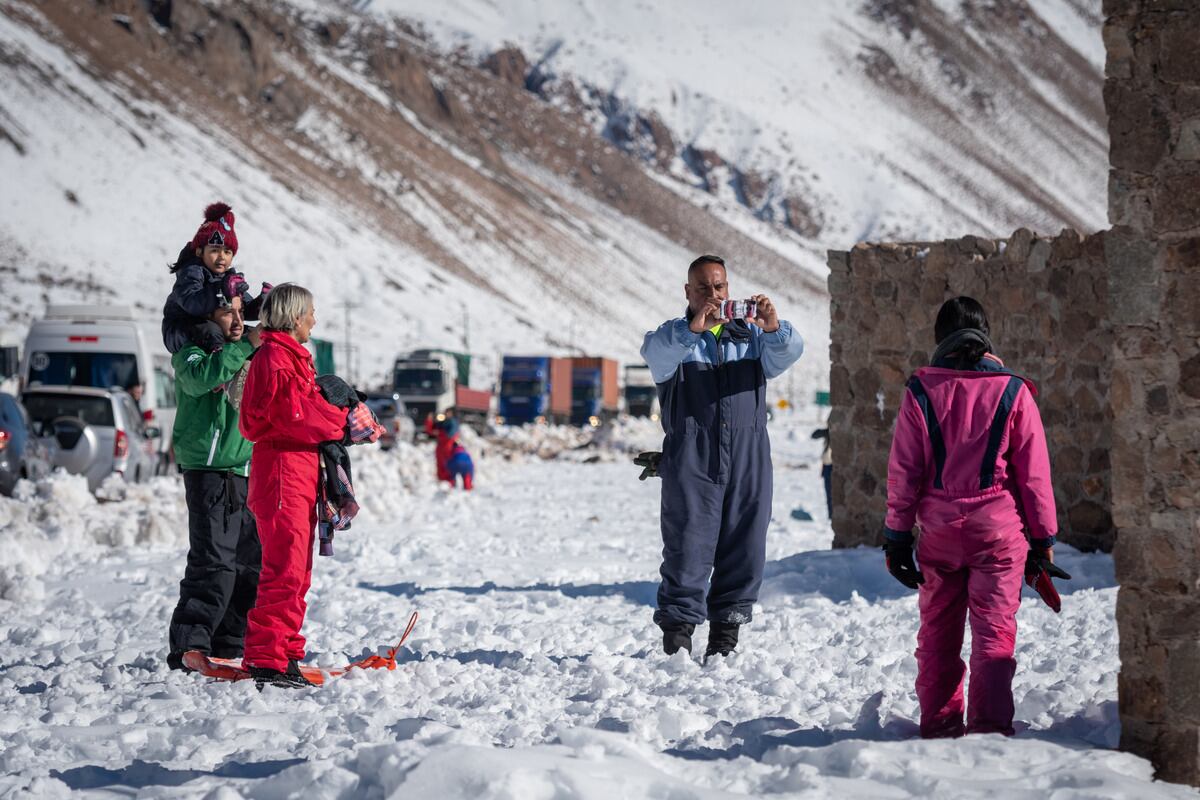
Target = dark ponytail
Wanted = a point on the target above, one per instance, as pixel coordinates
(962, 313)
(186, 256)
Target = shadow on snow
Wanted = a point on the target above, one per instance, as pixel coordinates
(640, 592)
(140, 774)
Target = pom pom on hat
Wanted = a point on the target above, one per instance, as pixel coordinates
(217, 210)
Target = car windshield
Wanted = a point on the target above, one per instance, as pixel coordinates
(101, 370)
(640, 393)
(45, 407)
(419, 381)
(585, 392)
(519, 388)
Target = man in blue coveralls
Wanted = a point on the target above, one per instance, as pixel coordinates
(716, 463)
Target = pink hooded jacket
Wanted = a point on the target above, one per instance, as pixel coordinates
(970, 444)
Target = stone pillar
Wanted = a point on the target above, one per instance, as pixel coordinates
(1153, 257)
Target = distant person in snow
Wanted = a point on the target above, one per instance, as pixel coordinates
(716, 462)
(284, 413)
(452, 459)
(205, 281)
(221, 578)
(826, 467)
(969, 464)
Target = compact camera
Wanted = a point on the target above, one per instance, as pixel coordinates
(739, 309)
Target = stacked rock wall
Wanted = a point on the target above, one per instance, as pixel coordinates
(1153, 99)
(1046, 301)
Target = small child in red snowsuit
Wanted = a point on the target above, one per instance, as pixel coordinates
(453, 460)
(969, 463)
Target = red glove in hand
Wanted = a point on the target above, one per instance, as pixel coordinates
(234, 285)
(362, 425)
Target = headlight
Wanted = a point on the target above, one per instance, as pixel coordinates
(441, 417)
(540, 421)
(499, 420)
(594, 422)
(654, 417)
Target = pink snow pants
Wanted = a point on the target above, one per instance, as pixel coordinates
(973, 560)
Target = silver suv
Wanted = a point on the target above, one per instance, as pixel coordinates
(99, 431)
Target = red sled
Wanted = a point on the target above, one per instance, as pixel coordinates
(230, 669)
(1043, 584)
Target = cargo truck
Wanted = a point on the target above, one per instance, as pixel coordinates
(437, 382)
(641, 395)
(535, 389)
(594, 391)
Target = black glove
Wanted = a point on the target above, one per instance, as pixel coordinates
(207, 336)
(1038, 561)
(821, 433)
(648, 461)
(900, 563)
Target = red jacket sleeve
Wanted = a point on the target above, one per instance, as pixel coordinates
(911, 453)
(1029, 461)
(279, 405)
(442, 453)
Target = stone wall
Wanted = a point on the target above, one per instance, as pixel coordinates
(1047, 304)
(1153, 100)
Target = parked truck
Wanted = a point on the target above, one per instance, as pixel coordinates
(535, 389)
(438, 382)
(594, 391)
(641, 395)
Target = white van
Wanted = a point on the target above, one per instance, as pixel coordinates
(103, 347)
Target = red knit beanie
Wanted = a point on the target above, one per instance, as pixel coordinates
(217, 228)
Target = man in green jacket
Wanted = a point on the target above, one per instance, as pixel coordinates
(224, 558)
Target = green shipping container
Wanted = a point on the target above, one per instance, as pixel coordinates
(322, 356)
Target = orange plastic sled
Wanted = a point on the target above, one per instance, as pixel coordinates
(230, 669)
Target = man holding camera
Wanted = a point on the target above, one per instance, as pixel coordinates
(711, 367)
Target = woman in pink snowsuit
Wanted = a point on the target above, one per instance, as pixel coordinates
(969, 465)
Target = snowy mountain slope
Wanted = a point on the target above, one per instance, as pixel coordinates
(869, 119)
(361, 164)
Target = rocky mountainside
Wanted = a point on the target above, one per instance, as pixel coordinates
(443, 191)
(840, 121)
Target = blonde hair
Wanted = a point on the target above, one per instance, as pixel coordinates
(284, 306)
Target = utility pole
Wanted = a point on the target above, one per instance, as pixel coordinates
(466, 328)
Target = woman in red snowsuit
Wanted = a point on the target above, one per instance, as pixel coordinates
(285, 415)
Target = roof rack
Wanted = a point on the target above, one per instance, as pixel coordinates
(90, 312)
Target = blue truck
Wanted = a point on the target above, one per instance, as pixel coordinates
(594, 392)
(535, 389)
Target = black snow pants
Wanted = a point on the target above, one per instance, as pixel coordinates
(224, 558)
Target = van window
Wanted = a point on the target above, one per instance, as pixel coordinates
(102, 370)
(164, 388)
(133, 415)
(45, 407)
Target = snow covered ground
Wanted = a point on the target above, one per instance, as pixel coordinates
(534, 671)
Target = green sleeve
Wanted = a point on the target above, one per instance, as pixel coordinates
(197, 373)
